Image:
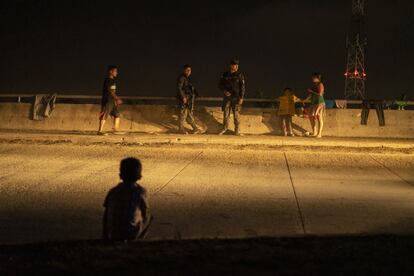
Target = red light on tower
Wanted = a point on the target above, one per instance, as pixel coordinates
(355, 77)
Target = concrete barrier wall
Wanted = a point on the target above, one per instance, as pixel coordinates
(162, 119)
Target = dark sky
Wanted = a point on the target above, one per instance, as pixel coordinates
(64, 46)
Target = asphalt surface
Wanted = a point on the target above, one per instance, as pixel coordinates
(55, 191)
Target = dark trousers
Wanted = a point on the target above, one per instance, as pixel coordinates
(286, 124)
(379, 108)
(230, 107)
(186, 114)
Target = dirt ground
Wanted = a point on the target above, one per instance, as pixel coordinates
(352, 255)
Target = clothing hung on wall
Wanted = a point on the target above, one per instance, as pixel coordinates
(378, 105)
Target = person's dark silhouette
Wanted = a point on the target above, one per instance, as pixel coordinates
(126, 214)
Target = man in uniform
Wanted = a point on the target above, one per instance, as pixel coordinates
(186, 94)
(110, 101)
(233, 85)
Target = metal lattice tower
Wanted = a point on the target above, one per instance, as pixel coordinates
(355, 75)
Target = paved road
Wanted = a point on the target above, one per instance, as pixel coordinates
(55, 192)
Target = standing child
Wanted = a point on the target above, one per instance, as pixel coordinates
(287, 110)
(317, 108)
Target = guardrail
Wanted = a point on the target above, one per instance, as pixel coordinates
(150, 100)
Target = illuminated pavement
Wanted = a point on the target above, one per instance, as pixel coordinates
(50, 192)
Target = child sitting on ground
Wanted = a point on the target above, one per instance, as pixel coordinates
(287, 110)
(126, 216)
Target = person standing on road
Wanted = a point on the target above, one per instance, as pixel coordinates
(317, 108)
(126, 216)
(186, 95)
(233, 86)
(287, 110)
(110, 101)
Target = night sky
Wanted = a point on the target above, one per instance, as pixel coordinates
(64, 46)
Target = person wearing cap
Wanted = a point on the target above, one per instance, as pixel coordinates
(186, 94)
(233, 85)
